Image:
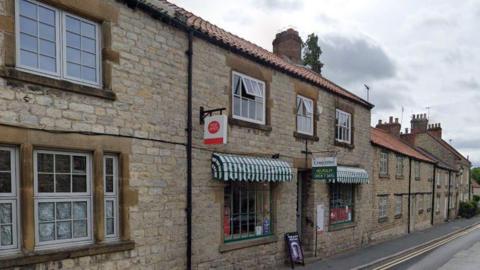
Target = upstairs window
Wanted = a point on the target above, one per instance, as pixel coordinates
(343, 126)
(304, 115)
(248, 98)
(57, 44)
(399, 166)
(383, 162)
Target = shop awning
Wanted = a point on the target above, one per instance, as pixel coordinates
(245, 168)
(350, 175)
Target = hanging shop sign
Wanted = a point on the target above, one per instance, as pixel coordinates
(324, 168)
(215, 129)
(295, 249)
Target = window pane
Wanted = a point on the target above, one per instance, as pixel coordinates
(74, 70)
(110, 226)
(45, 183)
(236, 105)
(28, 26)
(109, 209)
(244, 108)
(80, 228)
(88, 45)
(109, 184)
(64, 210)
(109, 166)
(46, 15)
(73, 40)
(259, 112)
(64, 230)
(46, 231)
(5, 182)
(28, 43)
(28, 9)
(88, 59)
(6, 235)
(47, 48)
(45, 162)
(88, 30)
(47, 63)
(46, 211)
(46, 31)
(62, 163)
(79, 164)
(5, 160)
(251, 113)
(89, 74)
(5, 213)
(72, 24)
(79, 183)
(62, 183)
(79, 210)
(73, 55)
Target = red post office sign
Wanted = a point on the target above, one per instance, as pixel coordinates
(215, 130)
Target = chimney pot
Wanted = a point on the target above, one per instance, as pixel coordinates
(288, 44)
(390, 120)
(379, 121)
(396, 120)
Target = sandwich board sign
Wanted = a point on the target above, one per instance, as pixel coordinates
(295, 249)
(215, 130)
(324, 168)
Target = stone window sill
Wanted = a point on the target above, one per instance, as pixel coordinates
(342, 144)
(242, 123)
(247, 243)
(384, 176)
(382, 220)
(341, 226)
(305, 136)
(398, 216)
(57, 254)
(17, 75)
(399, 177)
(417, 178)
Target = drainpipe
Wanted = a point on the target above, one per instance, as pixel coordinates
(433, 193)
(189, 53)
(448, 201)
(409, 191)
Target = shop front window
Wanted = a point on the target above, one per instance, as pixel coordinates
(341, 203)
(247, 211)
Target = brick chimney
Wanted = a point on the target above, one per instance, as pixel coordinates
(419, 123)
(392, 127)
(435, 130)
(288, 45)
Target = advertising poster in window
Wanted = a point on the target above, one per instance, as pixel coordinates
(294, 249)
(324, 168)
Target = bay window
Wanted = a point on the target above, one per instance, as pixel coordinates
(341, 203)
(248, 95)
(304, 115)
(62, 198)
(247, 211)
(343, 126)
(57, 44)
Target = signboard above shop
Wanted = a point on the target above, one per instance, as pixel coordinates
(324, 168)
(215, 130)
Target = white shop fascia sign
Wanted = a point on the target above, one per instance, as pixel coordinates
(215, 129)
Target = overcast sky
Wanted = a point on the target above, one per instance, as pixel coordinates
(412, 54)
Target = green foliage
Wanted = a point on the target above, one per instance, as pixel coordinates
(476, 174)
(312, 52)
(468, 209)
(476, 198)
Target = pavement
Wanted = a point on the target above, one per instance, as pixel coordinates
(366, 255)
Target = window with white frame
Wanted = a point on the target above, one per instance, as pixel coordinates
(383, 162)
(343, 126)
(248, 98)
(8, 199)
(398, 204)
(57, 44)
(63, 198)
(111, 195)
(399, 167)
(304, 115)
(382, 206)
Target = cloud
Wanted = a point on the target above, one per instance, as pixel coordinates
(469, 84)
(354, 59)
(280, 4)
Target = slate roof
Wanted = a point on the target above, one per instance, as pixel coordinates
(386, 140)
(437, 160)
(237, 44)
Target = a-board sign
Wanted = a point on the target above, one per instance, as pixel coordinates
(324, 168)
(295, 249)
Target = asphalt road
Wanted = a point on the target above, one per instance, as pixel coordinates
(460, 254)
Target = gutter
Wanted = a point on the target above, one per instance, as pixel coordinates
(409, 191)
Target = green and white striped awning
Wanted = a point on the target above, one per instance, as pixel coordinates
(243, 168)
(350, 175)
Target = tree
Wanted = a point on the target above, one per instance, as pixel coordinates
(312, 52)
(476, 174)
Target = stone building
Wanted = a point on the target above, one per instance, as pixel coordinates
(402, 184)
(94, 130)
(456, 172)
